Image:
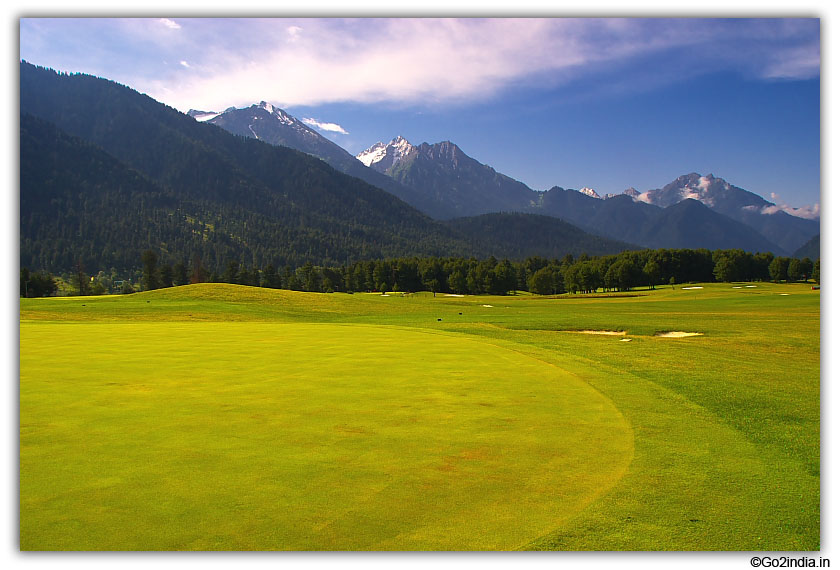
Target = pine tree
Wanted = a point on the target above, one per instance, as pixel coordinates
(151, 278)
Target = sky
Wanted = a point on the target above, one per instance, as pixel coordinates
(606, 103)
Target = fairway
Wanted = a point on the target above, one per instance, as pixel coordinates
(221, 417)
(299, 437)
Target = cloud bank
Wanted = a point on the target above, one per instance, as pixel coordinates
(435, 61)
(807, 212)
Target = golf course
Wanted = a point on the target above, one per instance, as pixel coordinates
(227, 417)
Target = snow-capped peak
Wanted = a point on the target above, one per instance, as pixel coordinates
(390, 153)
(277, 113)
(372, 154)
(401, 146)
(589, 192)
(632, 192)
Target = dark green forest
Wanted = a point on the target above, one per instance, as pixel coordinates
(539, 275)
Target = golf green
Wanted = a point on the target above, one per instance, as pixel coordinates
(301, 436)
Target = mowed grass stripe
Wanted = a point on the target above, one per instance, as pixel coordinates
(173, 435)
(695, 482)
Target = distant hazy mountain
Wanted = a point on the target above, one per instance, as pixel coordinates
(685, 224)
(810, 248)
(521, 235)
(751, 209)
(457, 184)
(443, 182)
(617, 217)
(690, 224)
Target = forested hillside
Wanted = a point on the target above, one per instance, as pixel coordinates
(107, 173)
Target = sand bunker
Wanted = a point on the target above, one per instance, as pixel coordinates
(677, 334)
(608, 333)
(695, 287)
(453, 295)
(737, 287)
(626, 339)
(486, 305)
(751, 286)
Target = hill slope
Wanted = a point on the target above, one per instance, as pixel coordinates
(518, 236)
(80, 203)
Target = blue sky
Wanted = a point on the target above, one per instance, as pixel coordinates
(604, 103)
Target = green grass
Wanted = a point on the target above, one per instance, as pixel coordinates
(225, 417)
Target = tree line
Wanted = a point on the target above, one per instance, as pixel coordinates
(466, 276)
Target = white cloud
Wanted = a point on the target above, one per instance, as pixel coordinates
(807, 212)
(293, 33)
(428, 61)
(171, 24)
(184, 63)
(331, 127)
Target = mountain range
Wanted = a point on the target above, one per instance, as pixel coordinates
(107, 172)
(442, 181)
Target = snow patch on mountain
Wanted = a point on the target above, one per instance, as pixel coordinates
(277, 113)
(402, 146)
(373, 154)
(392, 152)
(695, 193)
(632, 192)
(590, 192)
